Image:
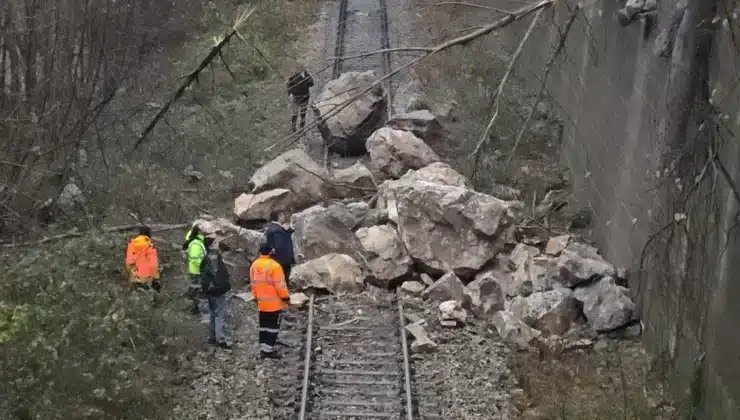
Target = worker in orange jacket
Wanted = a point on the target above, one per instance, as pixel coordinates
(142, 262)
(269, 290)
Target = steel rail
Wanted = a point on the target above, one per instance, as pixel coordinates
(339, 47)
(406, 365)
(307, 362)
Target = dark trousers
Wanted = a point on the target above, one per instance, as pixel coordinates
(269, 329)
(286, 272)
(299, 106)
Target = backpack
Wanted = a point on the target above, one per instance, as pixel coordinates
(299, 83)
(214, 279)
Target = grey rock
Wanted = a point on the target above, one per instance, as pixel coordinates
(551, 312)
(422, 123)
(537, 274)
(422, 343)
(557, 244)
(448, 287)
(393, 152)
(426, 279)
(447, 228)
(293, 170)
(451, 314)
(606, 305)
(337, 273)
(259, 206)
(347, 131)
(413, 288)
(385, 254)
(486, 294)
(71, 197)
(298, 299)
(355, 181)
(437, 173)
(192, 174)
(323, 230)
(579, 263)
(514, 331)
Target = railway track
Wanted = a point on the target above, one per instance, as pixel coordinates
(356, 361)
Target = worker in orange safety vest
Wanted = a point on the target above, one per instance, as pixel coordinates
(142, 262)
(269, 290)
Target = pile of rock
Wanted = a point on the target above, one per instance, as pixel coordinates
(427, 230)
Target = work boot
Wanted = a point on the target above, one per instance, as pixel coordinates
(225, 345)
(271, 355)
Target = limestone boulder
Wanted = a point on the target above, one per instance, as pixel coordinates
(607, 306)
(385, 254)
(393, 152)
(321, 230)
(293, 170)
(537, 274)
(259, 206)
(365, 216)
(552, 312)
(557, 244)
(346, 131)
(447, 228)
(336, 273)
(422, 123)
(354, 182)
(486, 295)
(579, 263)
(438, 173)
(514, 331)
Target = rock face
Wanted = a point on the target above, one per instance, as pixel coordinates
(337, 273)
(514, 331)
(422, 123)
(438, 173)
(606, 305)
(448, 287)
(486, 295)
(355, 181)
(259, 206)
(323, 230)
(347, 131)
(393, 152)
(386, 256)
(447, 228)
(293, 170)
(551, 312)
(579, 263)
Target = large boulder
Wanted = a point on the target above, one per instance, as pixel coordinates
(259, 206)
(607, 306)
(551, 312)
(438, 173)
(422, 123)
(346, 131)
(386, 256)
(337, 273)
(514, 331)
(486, 295)
(293, 170)
(447, 228)
(393, 152)
(323, 230)
(579, 263)
(354, 182)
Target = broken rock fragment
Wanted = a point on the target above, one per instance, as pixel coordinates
(551, 312)
(579, 263)
(451, 314)
(259, 206)
(394, 152)
(385, 254)
(422, 343)
(557, 244)
(337, 273)
(413, 288)
(448, 287)
(514, 331)
(486, 294)
(606, 305)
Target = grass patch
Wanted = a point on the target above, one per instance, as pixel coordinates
(609, 382)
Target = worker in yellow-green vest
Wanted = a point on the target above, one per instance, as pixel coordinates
(196, 251)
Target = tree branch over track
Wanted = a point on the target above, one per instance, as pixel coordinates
(462, 40)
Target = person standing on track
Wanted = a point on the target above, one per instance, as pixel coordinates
(272, 296)
(299, 91)
(280, 239)
(214, 284)
(196, 250)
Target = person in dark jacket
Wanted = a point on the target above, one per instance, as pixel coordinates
(214, 285)
(299, 90)
(280, 238)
